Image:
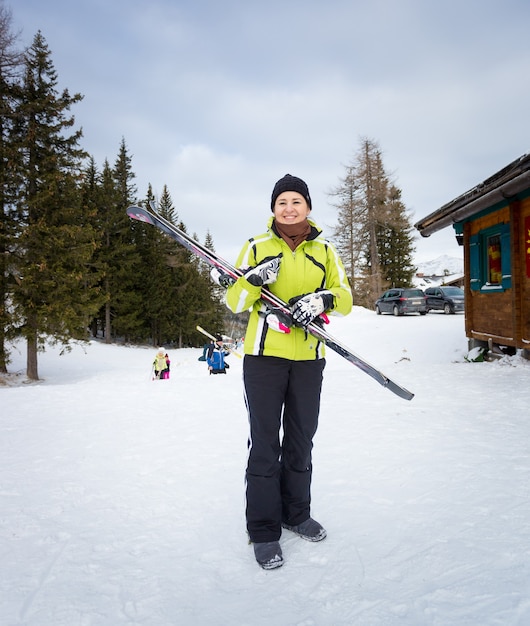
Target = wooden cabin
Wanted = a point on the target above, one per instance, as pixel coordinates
(492, 222)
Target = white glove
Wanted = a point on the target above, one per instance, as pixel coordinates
(304, 309)
(265, 273)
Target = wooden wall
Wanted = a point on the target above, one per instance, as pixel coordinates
(524, 290)
(503, 317)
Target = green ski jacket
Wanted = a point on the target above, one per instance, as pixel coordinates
(314, 265)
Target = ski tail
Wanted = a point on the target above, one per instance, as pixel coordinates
(154, 218)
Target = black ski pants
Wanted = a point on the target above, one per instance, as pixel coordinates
(282, 398)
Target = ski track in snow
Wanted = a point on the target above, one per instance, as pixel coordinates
(122, 498)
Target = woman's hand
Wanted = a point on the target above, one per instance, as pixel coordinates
(265, 273)
(305, 308)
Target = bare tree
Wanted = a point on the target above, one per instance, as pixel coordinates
(374, 230)
(361, 202)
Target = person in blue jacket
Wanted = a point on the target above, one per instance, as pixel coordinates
(216, 357)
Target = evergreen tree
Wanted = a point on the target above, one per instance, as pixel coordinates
(10, 67)
(215, 313)
(117, 259)
(159, 261)
(188, 287)
(53, 295)
(126, 295)
(92, 200)
(106, 258)
(396, 243)
(165, 206)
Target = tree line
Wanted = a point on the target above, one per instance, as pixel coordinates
(74, 266)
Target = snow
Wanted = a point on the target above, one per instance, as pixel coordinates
(122, 498)
(444, 270)
(442, 265)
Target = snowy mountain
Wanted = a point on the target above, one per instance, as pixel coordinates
(442, 266)
(444, 269)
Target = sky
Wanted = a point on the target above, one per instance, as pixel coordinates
(122, 498)
(218, 100)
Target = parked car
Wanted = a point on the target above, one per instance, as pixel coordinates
(446, 299)
(400, 301)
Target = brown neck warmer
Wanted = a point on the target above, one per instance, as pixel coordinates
(293, 234)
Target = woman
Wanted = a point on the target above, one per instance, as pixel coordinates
(283, 366)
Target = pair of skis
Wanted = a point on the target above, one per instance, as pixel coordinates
(155, 219)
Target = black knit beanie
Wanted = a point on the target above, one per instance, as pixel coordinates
(290, 183)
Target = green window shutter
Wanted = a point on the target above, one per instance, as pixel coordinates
(474, 263)
(506, 257)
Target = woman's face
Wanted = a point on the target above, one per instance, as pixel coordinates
(291, 208)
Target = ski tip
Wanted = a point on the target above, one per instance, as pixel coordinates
(137, 213)
(399, 391)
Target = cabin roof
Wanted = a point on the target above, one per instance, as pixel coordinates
(504, 185)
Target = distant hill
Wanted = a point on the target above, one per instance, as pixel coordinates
(444, 269)
(441, 266)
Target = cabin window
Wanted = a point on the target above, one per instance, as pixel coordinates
(490, 259)
(494, 260)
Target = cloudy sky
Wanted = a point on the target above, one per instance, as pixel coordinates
(219, 99)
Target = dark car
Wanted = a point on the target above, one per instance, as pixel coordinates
(400, 301)
(446, 299)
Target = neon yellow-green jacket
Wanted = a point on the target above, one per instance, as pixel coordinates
(314, 265)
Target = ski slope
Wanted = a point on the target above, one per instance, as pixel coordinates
(122, 498)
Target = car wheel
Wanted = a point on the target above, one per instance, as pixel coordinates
(378, 310)
(395, 310)
(423, 312)
(447, 308)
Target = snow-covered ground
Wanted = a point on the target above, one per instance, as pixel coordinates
(122, 498)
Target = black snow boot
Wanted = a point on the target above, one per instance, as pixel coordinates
(268, 554)
(310, 530)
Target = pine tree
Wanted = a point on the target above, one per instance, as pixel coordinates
(93, 199)
(117, 260)
(125, 296)
(53, 296)
(216, 314)
(188, 287)
(11, 61)
(396, 243)
(159, 262)
(106, 258)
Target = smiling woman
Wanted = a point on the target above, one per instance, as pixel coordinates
(283, 365)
